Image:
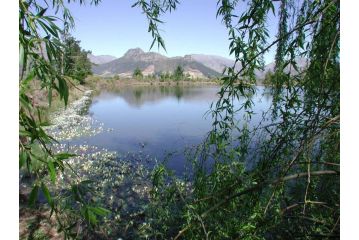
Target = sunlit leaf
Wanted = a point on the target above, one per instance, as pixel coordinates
(52, 171)
(47, 194)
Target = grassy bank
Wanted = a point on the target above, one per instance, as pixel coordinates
(98, 83)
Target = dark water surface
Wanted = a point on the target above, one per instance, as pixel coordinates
(157, 120)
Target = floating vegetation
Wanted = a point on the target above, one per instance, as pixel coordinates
(73, 122)
(117, 177)
(121, 181)
(108, 169)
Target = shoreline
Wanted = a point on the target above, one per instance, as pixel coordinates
(73, 121)
(98, 83)
(122, 180)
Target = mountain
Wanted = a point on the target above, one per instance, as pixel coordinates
(152, 63)
(302, 63)
(214, 62)
(101, 59)
(197, 65)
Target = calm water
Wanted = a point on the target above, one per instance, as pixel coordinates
(157, 120)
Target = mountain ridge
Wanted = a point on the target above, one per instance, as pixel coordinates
(100, 59)
(152, 63)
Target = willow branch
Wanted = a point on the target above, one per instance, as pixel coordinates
(314, 20)
(259, 186)
(256, 188)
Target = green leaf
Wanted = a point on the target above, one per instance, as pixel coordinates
(22, 158)
(24, 133)
(157, 20)
(25, 102)
(153, 42)
(135, 4)
(272, 8)
(162, 43)
(76, 193)
(41, 13)
(33, 195)
(62, 156)
(100, 211)
(45, 124)
(63, 90)
(26, 81)
(53, 29)
(52, 171)
(46, 192)
(91, 217)
(60, 164)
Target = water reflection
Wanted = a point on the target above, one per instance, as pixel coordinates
(157, 120)
(137, 96)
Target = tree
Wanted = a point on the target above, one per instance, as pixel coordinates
(293, 188)
(178, 74)
(137, 73)
(41, 54)
(268, 78)
(76, 63)
(165, 76)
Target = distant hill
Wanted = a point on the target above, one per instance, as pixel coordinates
(301, 63)
(214, 62)
(101, 59)
(152, 63)
(197, 65)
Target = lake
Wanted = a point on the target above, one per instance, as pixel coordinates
(157, 120)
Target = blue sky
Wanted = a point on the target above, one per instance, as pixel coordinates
(113, 27)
